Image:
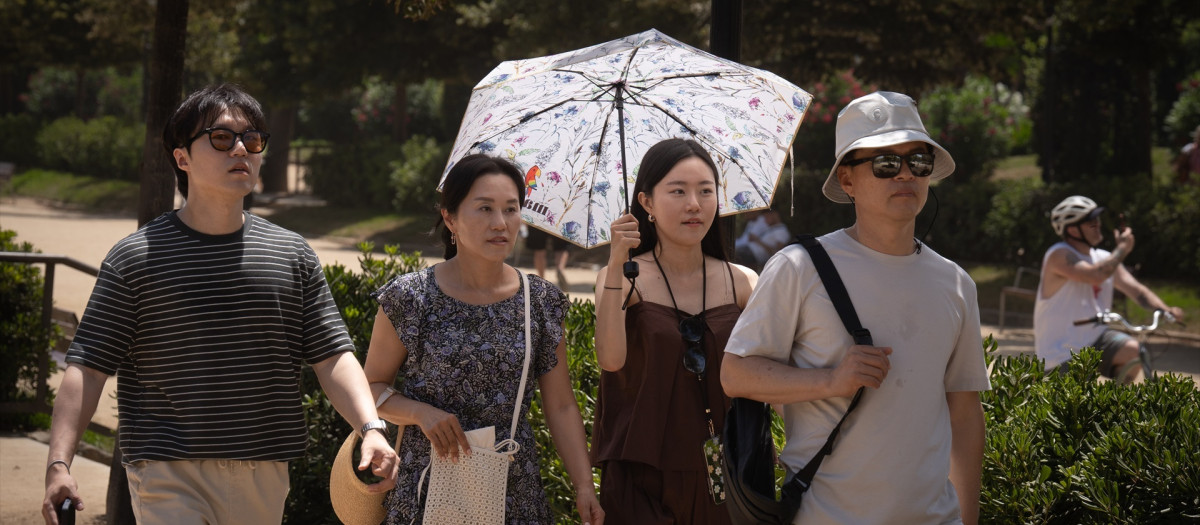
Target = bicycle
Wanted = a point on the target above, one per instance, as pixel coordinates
(1142, 332)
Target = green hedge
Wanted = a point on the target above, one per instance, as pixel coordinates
(1071, 449)
(22, 339)
(308, 501)
(105, 147)
(1066, 449)
(355, 175)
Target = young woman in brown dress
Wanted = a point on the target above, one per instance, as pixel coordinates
(660, 354)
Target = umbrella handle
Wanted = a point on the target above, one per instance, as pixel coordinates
(630, 268)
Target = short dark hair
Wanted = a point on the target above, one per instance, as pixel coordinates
(199, 111)
(657, 162)
(461, 178)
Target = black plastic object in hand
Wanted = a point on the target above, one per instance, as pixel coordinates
(66, 512)
(630, 269)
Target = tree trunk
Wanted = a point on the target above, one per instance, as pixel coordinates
(274, 171)
(166, 84)
(157, 176)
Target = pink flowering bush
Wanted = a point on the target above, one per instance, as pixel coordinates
(815, 140)
(979, 123)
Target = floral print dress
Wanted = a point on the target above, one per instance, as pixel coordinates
(467, 359)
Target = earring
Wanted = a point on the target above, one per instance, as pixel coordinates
(650, 216)
(453, 238)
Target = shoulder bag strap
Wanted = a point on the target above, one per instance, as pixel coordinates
(512, 434)
(794, 488)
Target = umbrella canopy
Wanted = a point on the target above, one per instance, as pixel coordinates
(578, 123)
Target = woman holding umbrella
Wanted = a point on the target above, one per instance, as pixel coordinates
(456, 332)
(661, 402)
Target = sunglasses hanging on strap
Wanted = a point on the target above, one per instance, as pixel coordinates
(748, 448)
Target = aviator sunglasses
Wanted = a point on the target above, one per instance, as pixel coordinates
(692, 330)
(887, 165)
(223, 139)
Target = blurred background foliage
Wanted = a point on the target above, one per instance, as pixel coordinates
(367, 95)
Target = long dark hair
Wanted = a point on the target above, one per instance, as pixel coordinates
(657, 162)
(201, 110)
(462, 177)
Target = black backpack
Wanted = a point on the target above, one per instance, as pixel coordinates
(748, 454)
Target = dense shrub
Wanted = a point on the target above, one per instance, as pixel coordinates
(417, 173)
(585, 381)
(308, 501)
(55, 92)
(1185, 113)
(1017, 225)
(1071, 449)
(355, 175)
(105, 147)
(18, 139)
(814, 145)
(977, 123)
(21, 335)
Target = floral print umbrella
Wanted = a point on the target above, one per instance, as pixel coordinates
(578, 123)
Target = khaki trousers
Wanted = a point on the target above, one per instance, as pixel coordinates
(208, 492)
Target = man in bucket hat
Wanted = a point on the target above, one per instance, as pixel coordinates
(912, 451)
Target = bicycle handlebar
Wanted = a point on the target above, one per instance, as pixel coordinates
(1110, 317)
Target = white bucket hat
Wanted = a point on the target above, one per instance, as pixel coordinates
(877, 120)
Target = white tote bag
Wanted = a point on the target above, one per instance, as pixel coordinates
(472, 491)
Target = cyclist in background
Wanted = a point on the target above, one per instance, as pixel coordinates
(1077, 282)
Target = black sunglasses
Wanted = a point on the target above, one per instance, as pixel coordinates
(887, 165)
(692, 330)
(223, 139)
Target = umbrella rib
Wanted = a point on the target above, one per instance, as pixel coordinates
(634, 99)
(524, 119)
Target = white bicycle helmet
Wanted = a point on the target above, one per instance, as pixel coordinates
(1072, 210)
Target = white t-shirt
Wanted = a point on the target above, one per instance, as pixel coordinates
(756, 227)
(771, 234)
(1055, 335)
(891, 463)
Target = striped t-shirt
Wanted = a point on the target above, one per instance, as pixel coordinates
(207, 334)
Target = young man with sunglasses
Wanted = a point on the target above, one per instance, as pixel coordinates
(912, 451)
(206, 315)
(1077, 283)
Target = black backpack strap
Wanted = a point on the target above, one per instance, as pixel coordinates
(798, 485)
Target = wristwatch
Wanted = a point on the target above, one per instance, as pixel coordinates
(377, 424)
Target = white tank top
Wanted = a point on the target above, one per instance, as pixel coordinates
(1054, 332)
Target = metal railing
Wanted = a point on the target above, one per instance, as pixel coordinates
(40, 404)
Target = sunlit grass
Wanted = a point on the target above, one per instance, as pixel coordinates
(76, 191)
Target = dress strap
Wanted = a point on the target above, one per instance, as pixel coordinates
(732, 281)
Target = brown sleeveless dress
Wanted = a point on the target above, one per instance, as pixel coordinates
(649, 426)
